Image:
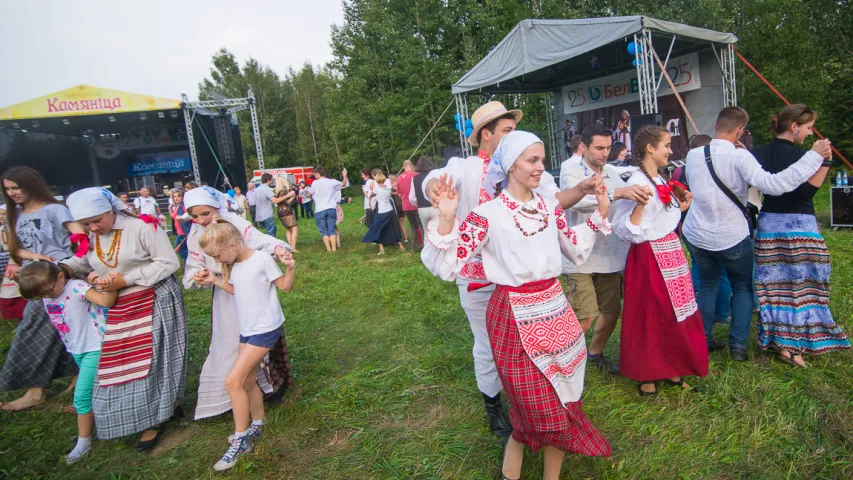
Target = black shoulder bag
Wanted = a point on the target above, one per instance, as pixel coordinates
(747, 210)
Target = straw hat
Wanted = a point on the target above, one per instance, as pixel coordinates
(485, 114)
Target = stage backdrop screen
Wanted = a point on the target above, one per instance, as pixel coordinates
(156, 163)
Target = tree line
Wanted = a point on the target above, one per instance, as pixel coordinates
(394, 62)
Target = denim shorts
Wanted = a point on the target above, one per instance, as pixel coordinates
(263, 340)
(325, 221)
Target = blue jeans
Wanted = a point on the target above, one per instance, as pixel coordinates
(737, 262)
(269, 226)
(325, 220)
(183, 252)
(723, 307)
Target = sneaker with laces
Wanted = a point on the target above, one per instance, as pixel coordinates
(238, 447)
(254, 433)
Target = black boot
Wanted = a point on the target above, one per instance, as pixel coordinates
(494, 412)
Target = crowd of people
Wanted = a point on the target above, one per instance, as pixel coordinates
(502, 226)
(94, 279)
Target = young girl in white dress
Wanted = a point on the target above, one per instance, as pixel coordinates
(252, 277)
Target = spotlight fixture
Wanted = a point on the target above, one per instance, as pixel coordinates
(36, 124)
(15, 125)
(112, 119)
(65, 121)
(143, 117)
(174, 114)
(23, 131)
(161, 115)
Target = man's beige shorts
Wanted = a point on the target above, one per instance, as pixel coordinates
(591, 294)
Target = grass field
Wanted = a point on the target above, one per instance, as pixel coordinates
(384, 389)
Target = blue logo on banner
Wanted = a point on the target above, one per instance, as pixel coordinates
(169, 162)
(595, 94)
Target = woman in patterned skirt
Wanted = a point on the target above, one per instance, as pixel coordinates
(40, 228)
(792, 261)
(662, 337)
(142, 369)
(205, 205)
(537, 343)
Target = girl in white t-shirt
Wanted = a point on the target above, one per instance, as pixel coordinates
(79, 313)
(252, 277)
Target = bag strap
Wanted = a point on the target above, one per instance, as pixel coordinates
(722, 186)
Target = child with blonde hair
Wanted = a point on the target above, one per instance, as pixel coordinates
(252, 277)
(79, 313)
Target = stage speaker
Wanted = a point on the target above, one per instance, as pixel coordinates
(224, 142)
(641, 121)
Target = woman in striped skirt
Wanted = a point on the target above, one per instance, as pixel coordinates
(142, 369)
(792, 261)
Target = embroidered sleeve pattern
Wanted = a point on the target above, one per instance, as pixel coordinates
(472, 232)
(445, 256)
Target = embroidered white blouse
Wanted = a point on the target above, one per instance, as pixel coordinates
(658, 221)
(494, 231)
(145, 256)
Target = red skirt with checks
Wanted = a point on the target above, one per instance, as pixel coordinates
(538, 419)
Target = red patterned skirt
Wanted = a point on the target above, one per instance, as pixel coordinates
(653, 344)
(537, 416)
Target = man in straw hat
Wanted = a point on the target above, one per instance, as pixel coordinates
(491, 122)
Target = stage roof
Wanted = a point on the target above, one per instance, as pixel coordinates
(542, 55)
(86, 100)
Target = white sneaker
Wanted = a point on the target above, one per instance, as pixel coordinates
(239, 446)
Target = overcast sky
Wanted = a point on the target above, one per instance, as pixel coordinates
(153, 47)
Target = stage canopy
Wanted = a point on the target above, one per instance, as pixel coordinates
(543, 55)
(76, 110)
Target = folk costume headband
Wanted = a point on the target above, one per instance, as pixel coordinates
(93, 201)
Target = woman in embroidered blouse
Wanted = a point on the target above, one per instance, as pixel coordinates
(136, 390)
(205, 205)
(521, 236)
(662, 334)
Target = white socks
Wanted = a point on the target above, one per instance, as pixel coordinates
(258, 423)
(84, 444)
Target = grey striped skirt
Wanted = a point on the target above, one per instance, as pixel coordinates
(138, 405)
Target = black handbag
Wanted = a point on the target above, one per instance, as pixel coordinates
(749, 211)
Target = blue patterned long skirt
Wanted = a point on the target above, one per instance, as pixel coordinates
(792, 283)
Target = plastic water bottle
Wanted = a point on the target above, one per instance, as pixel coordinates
(838, 179)
(844, 179)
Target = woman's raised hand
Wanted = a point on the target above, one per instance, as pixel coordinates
(446, 198)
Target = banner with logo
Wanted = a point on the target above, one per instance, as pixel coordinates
(155, 163)
(622, 87)
(86, 100)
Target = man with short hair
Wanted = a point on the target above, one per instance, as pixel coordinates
(145, 204)
(491, 122)
(595, 291)
(326, 192)
(716, 230)
(250, 200)
(404, 185)
(265, 200)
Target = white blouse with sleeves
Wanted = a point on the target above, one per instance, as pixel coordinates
(145, 255)
(658, 221)
(198, 260)
(383, 198)
(509, 256)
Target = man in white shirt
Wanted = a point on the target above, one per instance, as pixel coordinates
(265, 203)
(491, 122)
(368, 202)
(325, 192)
(716, 230)
(250, 200)
(597, 291)
(145, 204)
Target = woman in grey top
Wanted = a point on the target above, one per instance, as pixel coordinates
(40, 229)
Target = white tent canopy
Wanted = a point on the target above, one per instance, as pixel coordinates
(541, 55)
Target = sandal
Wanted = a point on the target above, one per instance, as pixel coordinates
(146, 445)
(644, 393)
(791, 360)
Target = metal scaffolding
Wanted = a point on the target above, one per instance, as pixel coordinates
(462, 110)
(645, 64)
(727, 65)
(230, 107)
(551, 120)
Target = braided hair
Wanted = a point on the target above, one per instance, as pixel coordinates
(653, 135)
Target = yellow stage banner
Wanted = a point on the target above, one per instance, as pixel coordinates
(86, 100)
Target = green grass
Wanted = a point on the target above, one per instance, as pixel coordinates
(384, 389)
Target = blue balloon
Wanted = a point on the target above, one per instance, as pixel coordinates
(231, 193)
(633, 48)
(468, 124)
(455, 117)
(635, 62)
(469, 131)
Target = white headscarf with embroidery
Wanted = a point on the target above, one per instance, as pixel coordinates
(511, 147)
